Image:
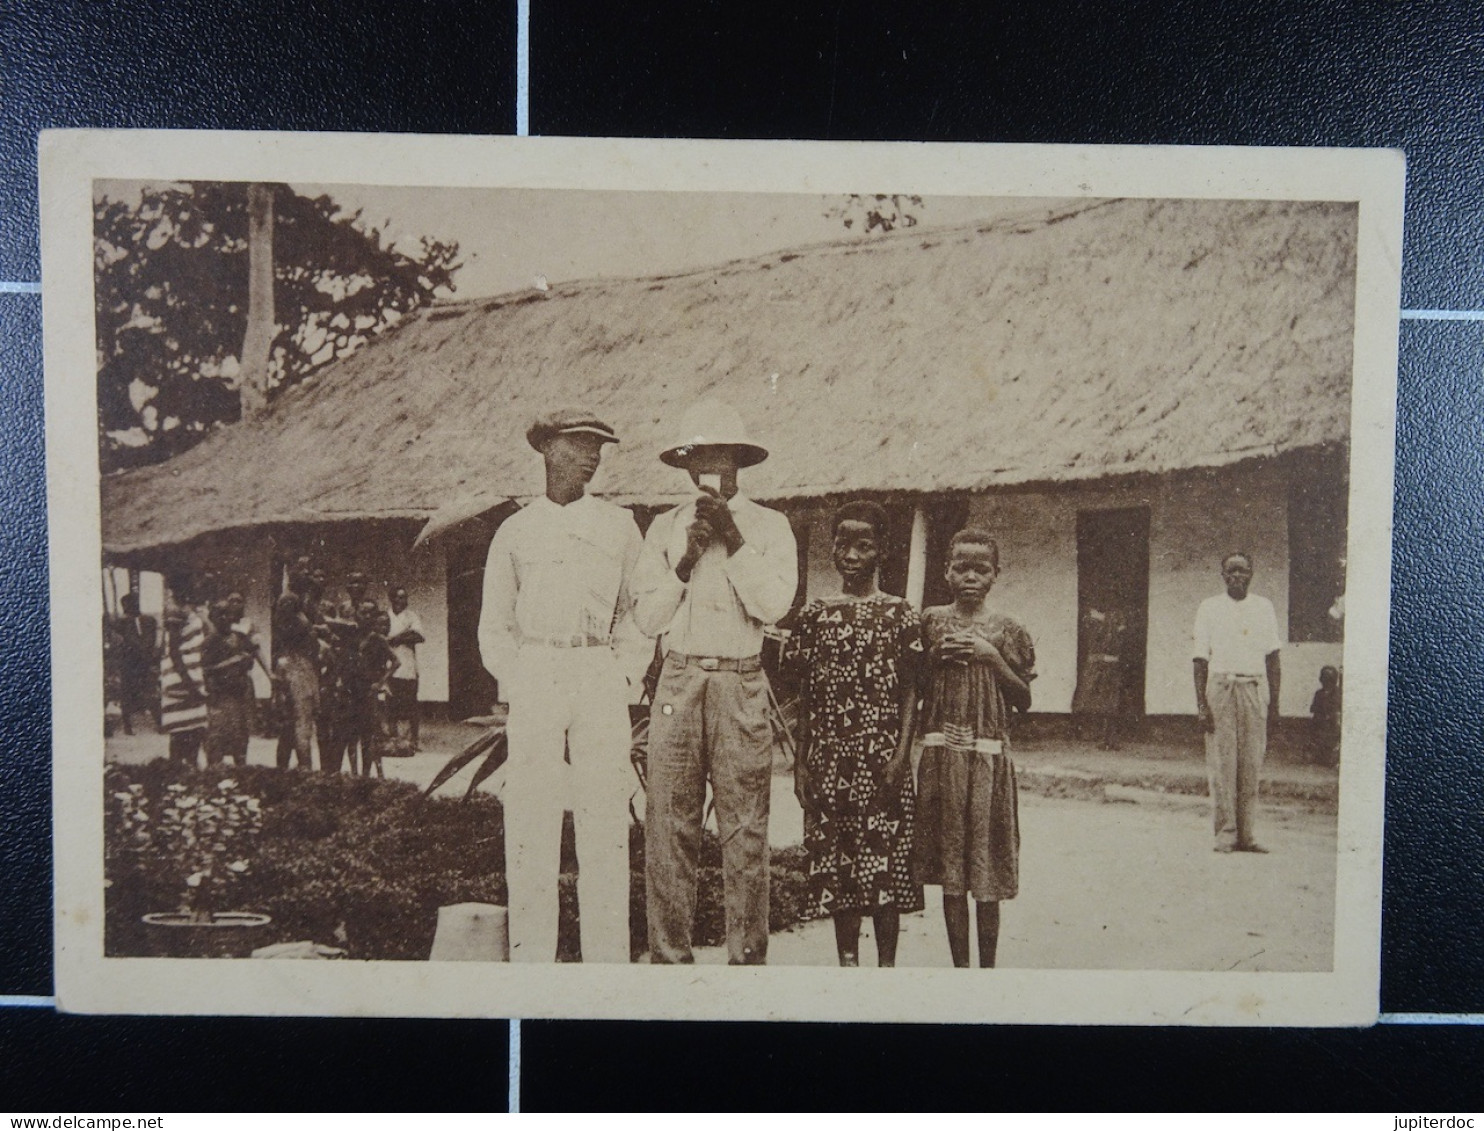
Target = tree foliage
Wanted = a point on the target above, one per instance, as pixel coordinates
(875, 212)
(171, 279)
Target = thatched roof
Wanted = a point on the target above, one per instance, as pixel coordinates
(1095, 339)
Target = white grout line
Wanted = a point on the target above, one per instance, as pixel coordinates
(27, 1001)
(1431, 1019)
(1443, 315)
(523, 68)
(10, 287)
(514, 1104)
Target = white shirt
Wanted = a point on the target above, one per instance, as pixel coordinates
(1236, 637)
(555, 573)
(406, 653)
(722, 610)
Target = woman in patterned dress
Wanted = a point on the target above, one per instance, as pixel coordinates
(182, 678)
(978, 665)
(853, 659)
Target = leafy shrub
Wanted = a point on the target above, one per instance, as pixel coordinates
(203, 836)
(365, 864)
(358, 862)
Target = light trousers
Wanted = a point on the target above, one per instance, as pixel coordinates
(568, 700)
(1234, 753)
(708, 725)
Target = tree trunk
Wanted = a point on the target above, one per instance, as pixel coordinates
(257, 343)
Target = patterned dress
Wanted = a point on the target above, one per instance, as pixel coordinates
(851, 657)
(968, 824)
(182, 704)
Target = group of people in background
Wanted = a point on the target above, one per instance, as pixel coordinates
(207, 655)
(343, 672)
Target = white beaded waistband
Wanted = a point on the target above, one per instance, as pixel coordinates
(981, 745)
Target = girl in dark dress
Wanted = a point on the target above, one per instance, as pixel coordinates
(853, 659)
(979, 665)
(371, 665)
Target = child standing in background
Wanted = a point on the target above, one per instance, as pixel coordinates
(1326, 708)
(371, 665)
(979, 666)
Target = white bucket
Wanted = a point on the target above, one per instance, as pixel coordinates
(471, 932)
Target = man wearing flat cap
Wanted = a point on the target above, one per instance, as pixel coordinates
(556, 591)
(713, 573)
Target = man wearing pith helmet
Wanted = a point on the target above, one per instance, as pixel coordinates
(556, 590)
(714, 572)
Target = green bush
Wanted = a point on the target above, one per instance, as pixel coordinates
(365, 864)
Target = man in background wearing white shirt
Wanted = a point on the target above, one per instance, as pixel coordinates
(404, 634)
(1237, 679)
(556, 587)
(714, 571)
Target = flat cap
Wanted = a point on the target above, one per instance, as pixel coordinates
(565, 421)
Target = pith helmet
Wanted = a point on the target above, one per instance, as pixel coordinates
(712, 423)
(565, 421)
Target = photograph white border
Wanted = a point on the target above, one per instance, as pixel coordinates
(88, 982)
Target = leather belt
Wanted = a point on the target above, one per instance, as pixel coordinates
(716, 663)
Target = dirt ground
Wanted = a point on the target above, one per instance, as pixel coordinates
(1133, 884)
(1113, 875)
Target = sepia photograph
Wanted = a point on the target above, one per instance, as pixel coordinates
(485, 585)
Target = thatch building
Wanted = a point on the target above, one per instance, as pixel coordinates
(1121, 389)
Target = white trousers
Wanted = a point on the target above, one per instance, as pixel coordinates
(568, 700)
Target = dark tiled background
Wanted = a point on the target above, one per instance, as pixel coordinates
(1403, 73)
(1395, 73)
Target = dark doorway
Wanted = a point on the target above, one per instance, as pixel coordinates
(1318, 525)
(946, 516)
(895, 554)
(1113, 589)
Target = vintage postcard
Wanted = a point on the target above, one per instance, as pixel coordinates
(490, 573)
